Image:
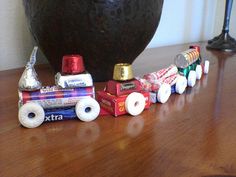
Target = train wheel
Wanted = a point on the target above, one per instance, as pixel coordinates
(181, 84)
(192, 78)
(87, 109)
(135, 103)
(206, 67)
(198, 72)
(164, 93)
(31, 115)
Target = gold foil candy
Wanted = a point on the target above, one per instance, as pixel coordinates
(123, 72)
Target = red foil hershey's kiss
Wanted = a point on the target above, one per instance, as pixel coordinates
(72, 64)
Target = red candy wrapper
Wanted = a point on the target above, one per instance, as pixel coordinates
(122, 88)
(116, 104)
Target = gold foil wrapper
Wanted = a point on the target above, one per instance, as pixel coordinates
(123, 72)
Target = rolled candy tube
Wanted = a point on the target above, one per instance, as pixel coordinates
(177, 82)
(54, 97)
(166, 72)
(159, 90)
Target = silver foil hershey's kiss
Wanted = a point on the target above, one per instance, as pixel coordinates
(29, 80)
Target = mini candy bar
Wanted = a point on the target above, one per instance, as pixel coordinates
(122, 88)
(116, 105)
(72, 81)
(54, 97)
(166, 72)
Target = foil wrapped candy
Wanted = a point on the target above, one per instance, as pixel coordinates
(29, 79)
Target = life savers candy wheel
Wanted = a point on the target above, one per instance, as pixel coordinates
(164, 93)
(87, 109)
(31, 115)
(181, 84)
(135, 103)
(198, 72)
(206, 67)
(192, 78)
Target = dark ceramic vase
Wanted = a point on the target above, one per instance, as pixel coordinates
(104, 32)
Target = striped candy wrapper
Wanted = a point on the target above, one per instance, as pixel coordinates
(54, 97)
(163, 73)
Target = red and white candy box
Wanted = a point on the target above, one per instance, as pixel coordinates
(123, 88)
(120, 105)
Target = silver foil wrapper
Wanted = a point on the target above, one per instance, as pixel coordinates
(73, 81)
(29, 80)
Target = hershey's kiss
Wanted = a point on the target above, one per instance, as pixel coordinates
(29, 80)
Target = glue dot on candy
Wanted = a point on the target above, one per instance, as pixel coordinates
(192, 78)
(31, 115)
(135, 103)
(198, 72)
(164, 93)
(87, 109)
(181, 84)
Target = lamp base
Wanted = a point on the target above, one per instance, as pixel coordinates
(223, 42)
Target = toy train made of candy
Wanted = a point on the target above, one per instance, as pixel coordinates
(73, 95)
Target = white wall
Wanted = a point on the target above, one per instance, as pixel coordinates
(15, 39)
(182, 21)
(186, 21)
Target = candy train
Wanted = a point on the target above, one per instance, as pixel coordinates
(73, 95)
(48, 104)
(123, 94)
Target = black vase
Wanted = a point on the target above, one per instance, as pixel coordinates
(104, 32)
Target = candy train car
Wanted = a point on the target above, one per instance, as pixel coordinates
(66, 100)
(190, 65)
(161, 84)
(123, 94)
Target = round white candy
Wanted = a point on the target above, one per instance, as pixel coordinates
(31, 115)
(87, 109)
(164, 93)
(192, 78)
(206, 67)
(135, 103)
(199, 72)
(181, 84)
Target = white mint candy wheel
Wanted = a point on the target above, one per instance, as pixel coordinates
(198, 72)
(192, 78)
(87, 109)
(164, 93)
(31, 115)
(135, 103)
(206, 67)
(181, 84)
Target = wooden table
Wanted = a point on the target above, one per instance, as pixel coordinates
(192, 135)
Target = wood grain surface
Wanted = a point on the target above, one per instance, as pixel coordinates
(192, 135)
